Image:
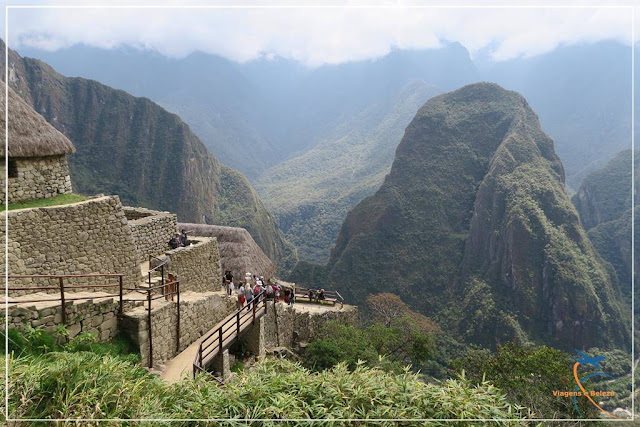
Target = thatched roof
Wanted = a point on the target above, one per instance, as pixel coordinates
(29, 133)
(238, 251)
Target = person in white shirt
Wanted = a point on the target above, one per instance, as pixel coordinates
(240, 296)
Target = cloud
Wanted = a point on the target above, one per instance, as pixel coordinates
(317, 35)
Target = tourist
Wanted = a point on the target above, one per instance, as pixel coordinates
(320, 295)
(287, 296)
(276, 291)
(183, 237)
(231, 287)
(175, 242)
(311, 294)
(248, 290)
(249, 295)
(240, 296)
(269, 290)
(292, 298)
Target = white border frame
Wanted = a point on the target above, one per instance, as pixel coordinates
(6, 201)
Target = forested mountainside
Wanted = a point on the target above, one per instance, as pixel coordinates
(255, 115)
(267, 116)
(310, 195)
(582, 94)
(149, 157)
(473, 227)
(604, 204)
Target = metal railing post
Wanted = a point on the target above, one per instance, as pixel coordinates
(64, 309)
(238, 325)
(254, 313)
(162, 279)
(120, 306)
(149, 328)
(178, 315)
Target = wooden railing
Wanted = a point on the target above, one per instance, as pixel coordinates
(166, 290)
(61, 287)
(329, 296)
(223, 335)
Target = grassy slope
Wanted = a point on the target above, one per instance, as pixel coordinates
(61, 199)
(311, 194)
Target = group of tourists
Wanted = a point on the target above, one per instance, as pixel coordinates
(253, 286)
(179, 240)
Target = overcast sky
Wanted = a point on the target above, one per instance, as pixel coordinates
(319, 35)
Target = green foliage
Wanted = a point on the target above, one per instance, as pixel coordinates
(340, 343)
(475, 204)
(59, 200)
(29, 341)
(72, 385)
(384, 346)
(528, 376)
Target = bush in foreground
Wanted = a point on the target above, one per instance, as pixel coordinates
(87, 385)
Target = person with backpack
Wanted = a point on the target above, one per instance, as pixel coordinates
(269, 290)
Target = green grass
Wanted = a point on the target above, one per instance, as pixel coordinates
(59, 200)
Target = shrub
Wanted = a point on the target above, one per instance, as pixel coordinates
(72, 385)
(528, 376)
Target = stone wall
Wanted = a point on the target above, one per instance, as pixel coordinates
(80, 238)
(98, 318)
(285, 325)
(198, 314)
(197, 266)
(37, 177)
(151, 231)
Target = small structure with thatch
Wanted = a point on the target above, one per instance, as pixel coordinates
(37, 153)
(239, 253)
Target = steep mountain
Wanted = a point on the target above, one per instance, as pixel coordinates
(582, 93)
(134, 148)
(208, 92)
(255, 115)
(311, 194)
(473, 227)
(604, 204)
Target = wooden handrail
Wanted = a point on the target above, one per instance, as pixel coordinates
(64, 276)
(214, 341)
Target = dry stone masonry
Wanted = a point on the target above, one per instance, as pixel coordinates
(199, 312)
(97, 317)
(287, 326)
(80, 238)
(36, 177)
(151, 231)
(197, 266)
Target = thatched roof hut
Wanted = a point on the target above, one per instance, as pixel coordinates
(238, 251)
(30, 135)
